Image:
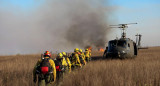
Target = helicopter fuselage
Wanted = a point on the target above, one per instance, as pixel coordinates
(121, 48)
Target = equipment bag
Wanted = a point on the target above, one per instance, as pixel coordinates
(59, 66)
(81, 59)
(71, 58)
(45, 66)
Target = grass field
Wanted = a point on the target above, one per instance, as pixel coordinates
(144, 70)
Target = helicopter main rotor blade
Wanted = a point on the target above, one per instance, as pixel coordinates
(121, 25)
(128, 24)
(114, 25)
(131, 23)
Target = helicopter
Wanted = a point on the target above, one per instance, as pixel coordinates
(124, 47)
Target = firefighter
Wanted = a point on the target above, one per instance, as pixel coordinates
(45, 70)
(82, 57)
(61, 65)
(105, 52)
(75, 62)
(87, 54)
(68, 61)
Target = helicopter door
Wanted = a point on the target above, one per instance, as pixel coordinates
(135, 49)
(128, 45)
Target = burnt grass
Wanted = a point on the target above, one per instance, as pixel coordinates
(144, 70)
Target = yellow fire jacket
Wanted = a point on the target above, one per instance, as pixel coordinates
(75, 60)
(64, 62)
(87, 54)
(69, 63)
(83, 57)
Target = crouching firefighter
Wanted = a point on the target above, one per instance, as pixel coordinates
(45, 70)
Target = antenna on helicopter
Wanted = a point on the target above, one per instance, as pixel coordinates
(122, 27)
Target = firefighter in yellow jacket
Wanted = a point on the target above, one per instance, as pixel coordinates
(67, 60)
(61, 65)
(75, 61)
(87, 54)
(82, 57)
(45, 70)
(62, 59)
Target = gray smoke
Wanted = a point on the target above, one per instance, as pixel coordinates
(88, 27)
(58, 25)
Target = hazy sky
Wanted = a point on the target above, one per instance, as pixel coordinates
(145, 12)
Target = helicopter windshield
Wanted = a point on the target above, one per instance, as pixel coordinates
(112, 43)
(121, 43)
(112, 46)
(117, 43)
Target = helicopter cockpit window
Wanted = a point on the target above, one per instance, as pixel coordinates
(112, 43)
(121, 43)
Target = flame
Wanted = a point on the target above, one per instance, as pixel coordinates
(89, 48)
(101, 49)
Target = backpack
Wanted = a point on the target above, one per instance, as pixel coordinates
(81, 59)
(59, 66)
(45, 66)
(72, 57)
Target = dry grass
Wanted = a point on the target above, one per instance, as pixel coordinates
(17, 70)
(141, 71)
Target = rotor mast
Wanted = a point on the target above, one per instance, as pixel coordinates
(123, 35)
(123, 28)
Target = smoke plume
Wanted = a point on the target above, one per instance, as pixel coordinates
(88, 26)
(57, 25)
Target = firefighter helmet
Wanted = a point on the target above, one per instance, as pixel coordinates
(60, 56)
(76, 50)
(86, 50)
(47, 53)
(80, 50)
(64, 53)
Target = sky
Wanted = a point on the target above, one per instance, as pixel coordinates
(25, 5)
(144, 12)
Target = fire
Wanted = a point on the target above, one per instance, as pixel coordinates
(89, 48)
(101, 49)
